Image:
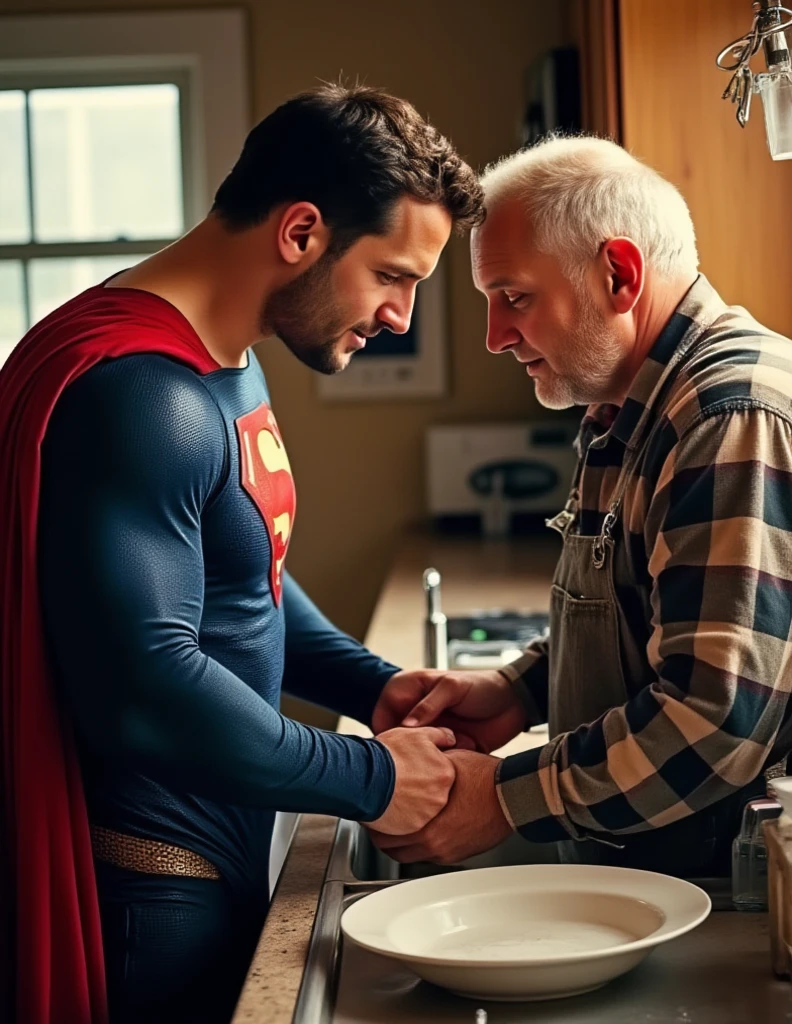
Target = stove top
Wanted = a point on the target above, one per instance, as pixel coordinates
(491, 639)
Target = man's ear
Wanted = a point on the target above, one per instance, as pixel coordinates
(623, 270)
(302, 235)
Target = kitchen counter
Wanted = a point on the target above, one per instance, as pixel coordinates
(477, 574)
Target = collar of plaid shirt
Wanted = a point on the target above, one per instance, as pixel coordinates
(699, 308)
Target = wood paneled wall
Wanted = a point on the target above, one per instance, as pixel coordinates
(673, 117)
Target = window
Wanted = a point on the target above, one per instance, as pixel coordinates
(93, 182)
(112, 145)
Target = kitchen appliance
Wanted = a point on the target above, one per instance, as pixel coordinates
(492, 639)
(498, 479)
(478, 640)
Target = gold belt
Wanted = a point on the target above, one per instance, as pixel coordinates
(149, 855)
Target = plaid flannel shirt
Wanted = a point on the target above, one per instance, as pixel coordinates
(703, 574)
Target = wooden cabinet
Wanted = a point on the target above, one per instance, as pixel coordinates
(656, 84)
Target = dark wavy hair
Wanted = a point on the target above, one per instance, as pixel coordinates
(353, 152)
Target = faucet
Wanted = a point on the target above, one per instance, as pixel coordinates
(435, 632)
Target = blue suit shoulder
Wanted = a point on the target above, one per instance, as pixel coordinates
(149, 413)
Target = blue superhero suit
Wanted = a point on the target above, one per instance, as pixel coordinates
(170, 648)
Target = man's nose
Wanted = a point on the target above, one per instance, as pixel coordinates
(396, 314)
(501, 335)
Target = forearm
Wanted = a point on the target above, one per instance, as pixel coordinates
(629, 771)
(193, 725)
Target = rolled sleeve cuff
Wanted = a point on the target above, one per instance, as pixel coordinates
(520, 666)
(518, 674)
(530, 799)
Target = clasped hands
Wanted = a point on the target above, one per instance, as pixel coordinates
(440, 727)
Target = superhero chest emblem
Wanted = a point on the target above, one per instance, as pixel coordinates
(267, 477)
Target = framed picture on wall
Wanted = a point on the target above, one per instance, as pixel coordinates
(393, 366)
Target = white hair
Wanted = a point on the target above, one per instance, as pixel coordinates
(579, 191)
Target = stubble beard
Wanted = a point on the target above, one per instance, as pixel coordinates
(306, 317)
(592, 360)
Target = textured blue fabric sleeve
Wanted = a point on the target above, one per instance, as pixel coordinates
(325, 665)
(135, 450)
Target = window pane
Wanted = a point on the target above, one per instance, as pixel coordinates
(54, 281)
(106, 163)
(14, 213)
(12, 306)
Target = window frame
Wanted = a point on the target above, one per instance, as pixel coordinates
(202, 53)
(24, 252)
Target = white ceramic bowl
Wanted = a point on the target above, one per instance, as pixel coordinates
(526, 932)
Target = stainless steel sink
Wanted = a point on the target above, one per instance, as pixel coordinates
(356, 868)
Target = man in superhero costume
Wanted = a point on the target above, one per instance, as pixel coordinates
(149, 621)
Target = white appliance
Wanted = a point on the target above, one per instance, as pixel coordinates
(494, 473)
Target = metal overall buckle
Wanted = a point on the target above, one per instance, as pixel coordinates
(562, 520)
(599, 550)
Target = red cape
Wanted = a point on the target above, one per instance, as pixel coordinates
(50, 936)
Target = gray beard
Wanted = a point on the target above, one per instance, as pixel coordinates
(595, 365)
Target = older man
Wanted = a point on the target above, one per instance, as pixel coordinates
(666, 676)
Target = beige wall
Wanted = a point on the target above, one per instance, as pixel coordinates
(359, 466)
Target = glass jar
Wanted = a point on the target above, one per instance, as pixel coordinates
(749, 856)
(775, 88)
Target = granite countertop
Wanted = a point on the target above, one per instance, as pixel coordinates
(276, 971)
(477, 574)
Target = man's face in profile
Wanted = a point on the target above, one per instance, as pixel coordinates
(328, 313)
(552, 325)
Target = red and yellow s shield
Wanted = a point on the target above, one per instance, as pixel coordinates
(267, 477)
